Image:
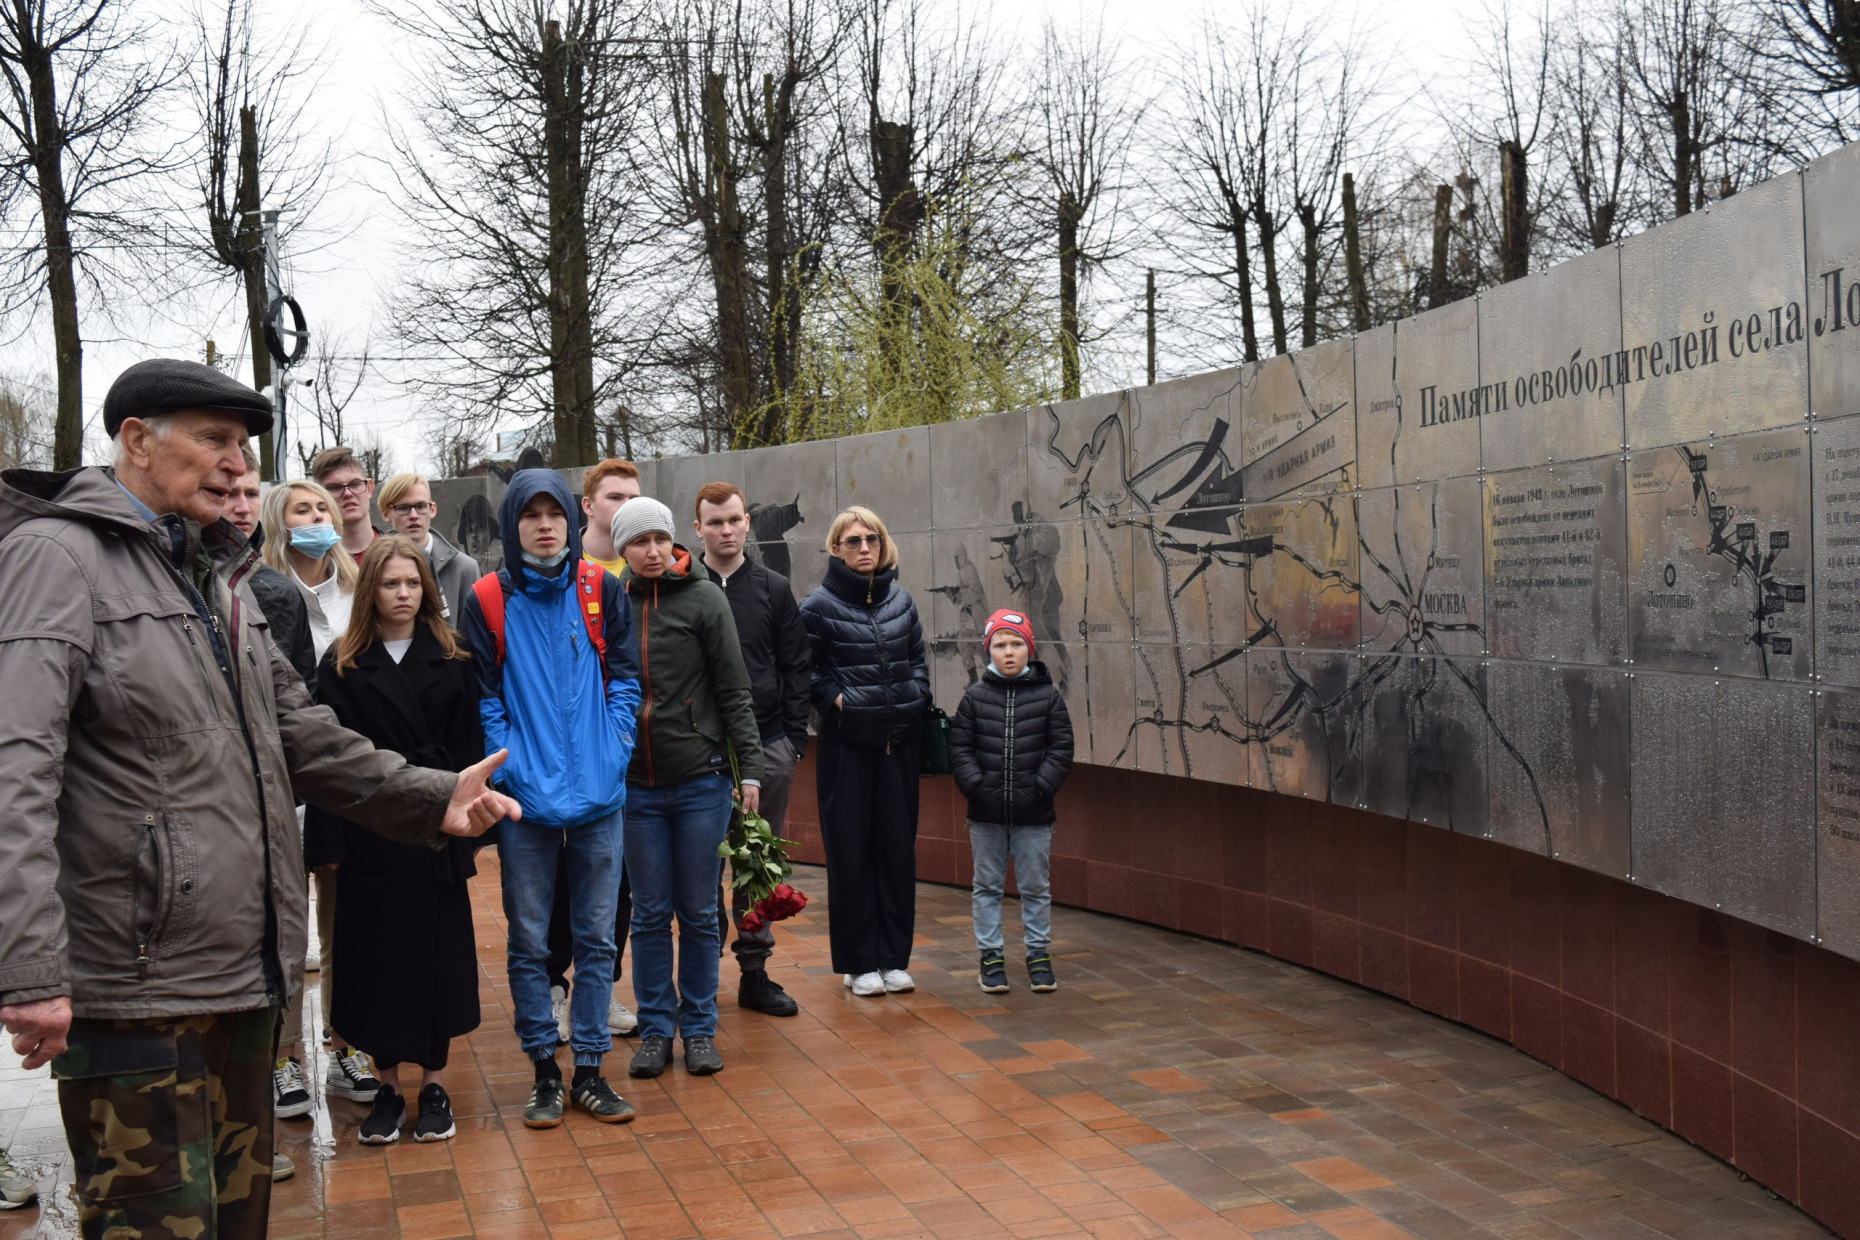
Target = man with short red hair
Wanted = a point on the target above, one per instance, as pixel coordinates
(776, 653)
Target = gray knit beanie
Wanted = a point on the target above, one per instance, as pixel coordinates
(641, 515)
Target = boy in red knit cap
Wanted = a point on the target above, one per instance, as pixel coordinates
(1010, 747)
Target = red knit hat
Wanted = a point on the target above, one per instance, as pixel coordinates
(1013, 622)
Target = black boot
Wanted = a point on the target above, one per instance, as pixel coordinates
(759, 994)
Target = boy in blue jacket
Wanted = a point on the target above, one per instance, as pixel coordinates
(558, 676)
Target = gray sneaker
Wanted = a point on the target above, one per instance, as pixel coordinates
(282, 1168)
(16, 1187)
(349, 1077)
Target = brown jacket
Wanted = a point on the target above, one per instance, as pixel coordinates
(149, 857)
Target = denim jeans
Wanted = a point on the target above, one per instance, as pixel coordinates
(1032, 848)
(671, 856)
(528, 857)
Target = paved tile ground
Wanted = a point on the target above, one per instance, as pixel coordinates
(1173, 1086)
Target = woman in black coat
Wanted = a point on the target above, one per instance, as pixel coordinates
(407, 971)
(871, 688)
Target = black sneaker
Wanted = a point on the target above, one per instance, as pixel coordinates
(1040, 972)
(701, 1057)
(435, 1123)
(994, 973)
(595, 1096)
(759, 994)
(289, 1098)
(544, 1109)
(382, 1127)
(653, 1057)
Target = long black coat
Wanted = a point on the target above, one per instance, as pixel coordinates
(406, 968)
(1010, 746)
(868, 649)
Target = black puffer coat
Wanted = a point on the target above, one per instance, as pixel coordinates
(1010, 746)
(868, 649)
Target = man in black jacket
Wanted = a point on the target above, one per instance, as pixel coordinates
(775, 650)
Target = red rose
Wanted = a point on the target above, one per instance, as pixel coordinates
(751, 920)
(782, 903)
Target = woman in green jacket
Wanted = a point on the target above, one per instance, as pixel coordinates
(695, 707)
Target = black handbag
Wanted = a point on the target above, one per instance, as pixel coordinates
(933, 742)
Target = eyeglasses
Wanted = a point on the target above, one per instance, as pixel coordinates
(873, 541)
(349, 488)
(424, 508)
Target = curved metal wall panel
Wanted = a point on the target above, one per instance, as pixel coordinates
(1568, 564)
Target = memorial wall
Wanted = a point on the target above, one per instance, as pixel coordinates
(1573, 565)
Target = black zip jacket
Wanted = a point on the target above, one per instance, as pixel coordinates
(285, 614)
(1010, 746)
(868, 649)
(768, 624)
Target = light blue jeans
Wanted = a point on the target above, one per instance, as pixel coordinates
(1032, 849)
(527, 855)
(671, 856)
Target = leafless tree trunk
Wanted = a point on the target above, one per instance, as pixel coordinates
(571, 329)
(1695, 67)
(726, 242)
(1085, 120)
(1437, 294)
(1517, 61)
(69, 146)
(1353, 258)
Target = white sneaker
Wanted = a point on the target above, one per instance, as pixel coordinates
(16, 1187)
(897, 981)
(619, 1019)
(866, 984)
(349, 1077)
(558, 1008)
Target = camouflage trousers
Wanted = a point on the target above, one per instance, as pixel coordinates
(170, 1121)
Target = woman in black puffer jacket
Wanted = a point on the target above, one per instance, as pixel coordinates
(870, 688)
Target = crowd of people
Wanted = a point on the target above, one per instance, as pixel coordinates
(229, 697)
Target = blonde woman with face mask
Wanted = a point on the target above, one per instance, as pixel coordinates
(300, 533)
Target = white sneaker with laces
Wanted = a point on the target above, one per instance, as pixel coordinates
(868, 984)
(349, 1077)
(898, 982)
(16, 1187)
(558, 1008)
(619, 1019)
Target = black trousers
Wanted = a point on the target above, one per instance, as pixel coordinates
(562, 939)
(868, 824)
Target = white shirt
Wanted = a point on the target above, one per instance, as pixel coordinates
(398, 649)
(328, 605)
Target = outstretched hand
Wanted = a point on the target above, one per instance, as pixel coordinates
(475, 806)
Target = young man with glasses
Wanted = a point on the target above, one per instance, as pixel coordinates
(407, 503)
(343, 477)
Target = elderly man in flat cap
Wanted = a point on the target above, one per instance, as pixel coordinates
(152, 743)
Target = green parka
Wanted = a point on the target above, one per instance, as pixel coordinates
(694, 689)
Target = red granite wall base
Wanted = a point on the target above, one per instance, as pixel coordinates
(1741, 1040)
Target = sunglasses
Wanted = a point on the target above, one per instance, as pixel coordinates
(873, 541)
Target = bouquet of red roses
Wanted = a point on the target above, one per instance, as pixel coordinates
(759, 862)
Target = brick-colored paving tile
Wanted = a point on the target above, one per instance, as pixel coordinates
(1225, 1096)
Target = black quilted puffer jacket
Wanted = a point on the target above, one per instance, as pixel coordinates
(868, 651)
(1010, 746)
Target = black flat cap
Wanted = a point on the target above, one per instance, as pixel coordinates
(168, 385)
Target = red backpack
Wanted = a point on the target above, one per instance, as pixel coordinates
(490, 594)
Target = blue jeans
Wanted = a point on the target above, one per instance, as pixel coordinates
(528, 856)
(1032, 848)
(671, 856)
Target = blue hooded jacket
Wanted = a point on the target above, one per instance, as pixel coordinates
(569, 741)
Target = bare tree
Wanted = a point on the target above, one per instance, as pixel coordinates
(1701, 108)
(80, 77)
(28, 409)
(1593, 140)
(1085, 119)
(1814, 45)
(247, 95)
(338, 372)
(1516, 59)
(519, 173)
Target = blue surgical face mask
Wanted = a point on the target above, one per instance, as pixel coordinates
(314, 540)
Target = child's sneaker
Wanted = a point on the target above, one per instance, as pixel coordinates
(994, 973)
(349, 1076)
(1040, 972)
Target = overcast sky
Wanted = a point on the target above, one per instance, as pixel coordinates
(342, 288)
